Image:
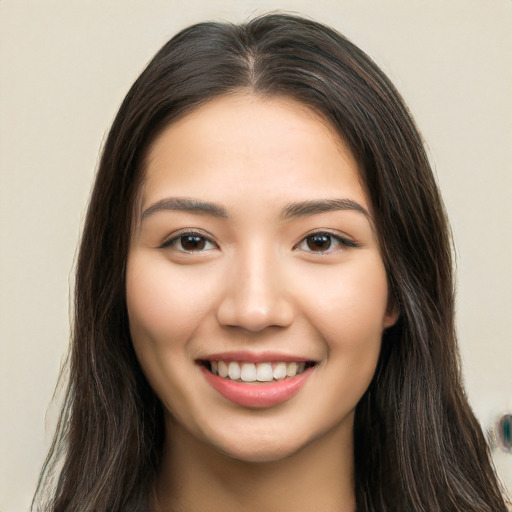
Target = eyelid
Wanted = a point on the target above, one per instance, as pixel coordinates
(175, 236)
(343, 240)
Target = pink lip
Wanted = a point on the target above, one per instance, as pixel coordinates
(258, 395)
(250, 357)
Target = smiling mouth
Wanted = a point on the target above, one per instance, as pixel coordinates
(247, 372)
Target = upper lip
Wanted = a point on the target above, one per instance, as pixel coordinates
(255, 357)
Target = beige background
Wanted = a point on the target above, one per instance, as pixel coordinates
(65, 67)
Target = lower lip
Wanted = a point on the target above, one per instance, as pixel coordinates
(258, 395)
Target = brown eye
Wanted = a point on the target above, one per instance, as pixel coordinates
(323, 243)
(189, 242)
(192, 243)
(319, 242)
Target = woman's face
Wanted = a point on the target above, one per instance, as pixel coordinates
(255, 256)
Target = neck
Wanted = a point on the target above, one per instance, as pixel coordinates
(196, 477)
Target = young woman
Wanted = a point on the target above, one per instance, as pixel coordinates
(264, 303)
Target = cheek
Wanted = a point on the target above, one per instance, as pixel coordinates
(163, 305)
(350, 307)
(349, 315)
(164, 311)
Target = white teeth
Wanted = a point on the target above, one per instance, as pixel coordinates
(280, 371)
(291, 369)
(264, 372)
(260, 372)
(248, 372)
(222, 368)
(234, 370)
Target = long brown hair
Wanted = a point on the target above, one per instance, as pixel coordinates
(418, 446)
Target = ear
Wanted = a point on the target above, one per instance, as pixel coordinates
(392, 314)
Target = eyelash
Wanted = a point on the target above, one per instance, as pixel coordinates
(338, 239)
(333, 237)
(178, 238)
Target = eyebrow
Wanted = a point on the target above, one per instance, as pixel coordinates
(187, 205)
(305, 208)
(290, 211)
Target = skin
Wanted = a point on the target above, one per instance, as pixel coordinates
(256, 285)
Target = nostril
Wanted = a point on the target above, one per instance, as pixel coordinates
(254, 315)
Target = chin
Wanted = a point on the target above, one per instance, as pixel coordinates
(264, 447)
(258, 452)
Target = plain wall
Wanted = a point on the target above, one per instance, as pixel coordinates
(64, 69)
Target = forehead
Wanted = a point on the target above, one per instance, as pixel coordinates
(249, 145)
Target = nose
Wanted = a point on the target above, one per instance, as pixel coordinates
(255, 295)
